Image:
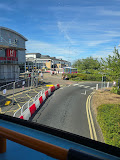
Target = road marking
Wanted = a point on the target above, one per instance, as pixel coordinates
(86, 86)
(35, 91)
(13, 110)
(81, 85)
(75, 84)
(90, 119)
(69, 85)
(61, 88)
(90, 129)
(93, 127)
(49, 85)
(28, 96)
(84, 93)
(92, 87)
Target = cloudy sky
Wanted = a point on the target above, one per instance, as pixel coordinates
(68, 29)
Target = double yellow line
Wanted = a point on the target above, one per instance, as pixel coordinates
(90, 119)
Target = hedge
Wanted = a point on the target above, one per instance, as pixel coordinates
(108, 117)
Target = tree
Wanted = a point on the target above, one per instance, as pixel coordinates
(88, 64)
(112, 63)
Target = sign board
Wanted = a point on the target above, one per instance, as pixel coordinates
(11, 53)
(4, 91)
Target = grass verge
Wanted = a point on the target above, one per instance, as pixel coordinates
(108, 117)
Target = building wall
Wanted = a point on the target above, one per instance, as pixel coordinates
(2, 53)
(7, 35)
(9, 66)
(48, 64)
(21, 57)
(9, 71)
(58, 65)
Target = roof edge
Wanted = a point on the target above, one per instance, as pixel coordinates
(8, 29)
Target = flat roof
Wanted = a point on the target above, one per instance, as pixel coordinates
(47, 57)
(32, 53)
(70, 67)
(7, 29)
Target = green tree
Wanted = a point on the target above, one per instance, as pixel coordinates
(112, 63)
(89, 64)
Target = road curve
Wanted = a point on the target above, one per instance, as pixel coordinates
(66, 110)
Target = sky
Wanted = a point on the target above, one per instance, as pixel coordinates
(67, 29)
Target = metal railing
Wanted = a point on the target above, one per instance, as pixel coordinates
(33, 143)
(8, 91)
(29, 103)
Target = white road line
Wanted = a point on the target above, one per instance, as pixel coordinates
(86, 86)
(84, 93)
(75, 84)
(92, 87)
(81, 85)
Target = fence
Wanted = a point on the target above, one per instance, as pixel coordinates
(28, 104)
(8, 91)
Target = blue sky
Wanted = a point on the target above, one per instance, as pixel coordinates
(68, 29)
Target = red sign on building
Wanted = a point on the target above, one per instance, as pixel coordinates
(11, 53)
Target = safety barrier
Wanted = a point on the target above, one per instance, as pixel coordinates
(27, 110)
(8, 91)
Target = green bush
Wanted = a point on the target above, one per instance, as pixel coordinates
(115, 90)
(118, 92)
(108, 117)
(84, 76)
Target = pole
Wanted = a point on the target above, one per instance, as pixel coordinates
(28, 82)
(13, 92)
(104, 84)
(25, 66)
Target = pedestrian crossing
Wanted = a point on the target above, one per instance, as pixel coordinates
(82, 86)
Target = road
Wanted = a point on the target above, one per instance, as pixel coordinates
(67, 109)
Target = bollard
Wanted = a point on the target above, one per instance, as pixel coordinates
(108, 84)
(96, 86)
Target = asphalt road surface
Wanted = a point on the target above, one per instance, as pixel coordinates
(66, 110)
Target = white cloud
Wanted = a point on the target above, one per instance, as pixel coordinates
(109, 12)
(34, 46)
(97, 42)
(63, 29)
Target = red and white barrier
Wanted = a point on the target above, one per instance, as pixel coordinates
(31, 110)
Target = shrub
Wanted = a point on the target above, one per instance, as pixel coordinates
(115, 90)
(108, 117)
